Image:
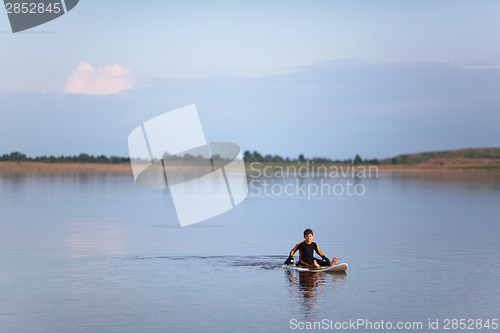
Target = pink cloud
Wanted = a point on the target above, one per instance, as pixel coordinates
(106, 80)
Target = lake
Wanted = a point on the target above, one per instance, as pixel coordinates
(96, 253)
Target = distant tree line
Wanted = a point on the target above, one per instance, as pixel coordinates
(82, 158)
(248, 157)
(461, 153)
(255, 156)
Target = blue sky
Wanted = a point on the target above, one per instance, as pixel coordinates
(323, 78)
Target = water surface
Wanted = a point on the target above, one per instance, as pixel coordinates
(95, 253)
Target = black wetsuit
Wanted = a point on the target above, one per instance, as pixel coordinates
(306, 254)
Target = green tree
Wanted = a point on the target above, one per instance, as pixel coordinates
(17, 157)
(247, 156)
(257, 156)
(277, 158)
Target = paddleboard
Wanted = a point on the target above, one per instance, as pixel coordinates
(337, 268)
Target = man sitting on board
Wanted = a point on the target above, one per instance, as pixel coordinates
(306, 249)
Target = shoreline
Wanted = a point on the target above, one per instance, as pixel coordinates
(40, 167)
(453, 166)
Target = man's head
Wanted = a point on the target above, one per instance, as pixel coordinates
(308, 235)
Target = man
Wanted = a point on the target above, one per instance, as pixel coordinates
(306, 251)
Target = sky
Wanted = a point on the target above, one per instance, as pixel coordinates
(319, 78)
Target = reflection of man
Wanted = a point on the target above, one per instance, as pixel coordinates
(307, 285)
(310, 286)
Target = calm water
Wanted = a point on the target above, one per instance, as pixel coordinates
(89, 253)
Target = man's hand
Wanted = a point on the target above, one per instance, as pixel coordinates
(288, 261)
(326, 260)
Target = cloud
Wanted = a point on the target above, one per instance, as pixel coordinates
(106, 80)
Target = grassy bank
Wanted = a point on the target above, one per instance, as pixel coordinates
(463, 160)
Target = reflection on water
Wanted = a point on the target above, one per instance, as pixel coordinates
(458, 180)
(101, 236)
(308, 287)
(93, 253)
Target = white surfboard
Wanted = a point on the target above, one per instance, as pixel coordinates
(337, 268)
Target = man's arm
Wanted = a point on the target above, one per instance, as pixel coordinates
(288, 261)
(316, 248)
(295, 249)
